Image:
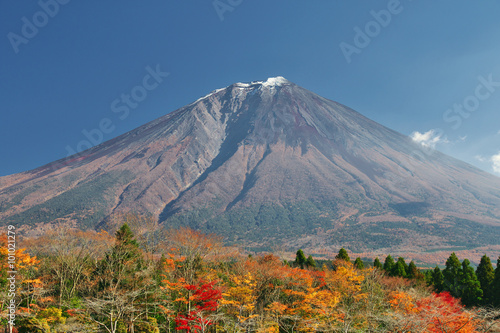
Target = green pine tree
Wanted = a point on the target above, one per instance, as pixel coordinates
(300, 259)
(486, 274)
(125, 237)
(389, 264)
(428, 277)
(469, 285)
(404, 271)
(119, 265)
(451, 276)
(126, 248)
(343, 255)
(413, 272)
(438, 279)
(310, 262)
(495, 286)
(377, 264)
(400, 268)
(358, 263)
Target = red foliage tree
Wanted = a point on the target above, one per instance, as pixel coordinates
(203, 305)
(444, 313)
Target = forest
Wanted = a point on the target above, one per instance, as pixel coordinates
(142, 278)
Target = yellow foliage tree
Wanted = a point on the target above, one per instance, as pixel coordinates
(346, 282)
(239, 300)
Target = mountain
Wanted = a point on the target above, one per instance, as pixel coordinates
(268, 163)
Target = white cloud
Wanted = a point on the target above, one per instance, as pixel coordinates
(429, 138)
(480, 158)
(495, 159)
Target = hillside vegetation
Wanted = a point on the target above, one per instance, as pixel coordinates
(147, 280)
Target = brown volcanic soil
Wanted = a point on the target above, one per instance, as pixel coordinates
(263, 163)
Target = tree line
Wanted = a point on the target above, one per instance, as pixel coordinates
(473, 287)
(479, 287)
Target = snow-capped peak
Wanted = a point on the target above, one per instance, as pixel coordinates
(270, 82)
(275, 81)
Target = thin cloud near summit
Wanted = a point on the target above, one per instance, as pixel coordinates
(428, 139)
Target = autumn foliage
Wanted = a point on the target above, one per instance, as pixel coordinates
(190, 282)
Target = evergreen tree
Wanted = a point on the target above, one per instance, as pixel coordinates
(486, 274)
(469, 285)
(124, 259)
(310, 262)
(126, 248)
(451, 275)
(377, 264)
(300, 259)
(121, 289)
(413, 272)
(343, 255)
(400, 268)
(428, 277)
(358, 263)
(388, 264)
(125, 237)
(438, 279)
(495, 286)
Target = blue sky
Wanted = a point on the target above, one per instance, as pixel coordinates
(430, 69)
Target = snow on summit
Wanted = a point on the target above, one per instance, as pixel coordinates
(275, 81)
(272, 82)
(269, 83)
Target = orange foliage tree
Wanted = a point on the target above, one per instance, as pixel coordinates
(201, 286)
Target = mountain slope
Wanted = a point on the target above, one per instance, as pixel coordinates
(263, 162)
